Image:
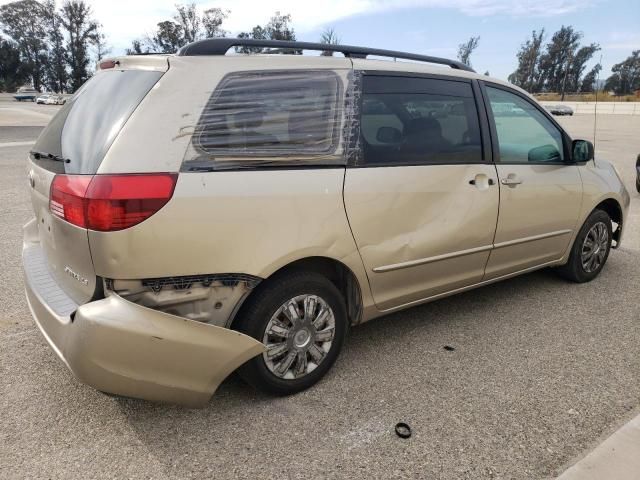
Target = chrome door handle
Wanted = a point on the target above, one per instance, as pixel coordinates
(511, 181)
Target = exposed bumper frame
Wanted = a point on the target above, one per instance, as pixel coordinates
(119, 347)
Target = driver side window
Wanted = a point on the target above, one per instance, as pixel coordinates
(525, 135)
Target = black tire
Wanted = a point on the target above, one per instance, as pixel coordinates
(255, 316)
(574, 269)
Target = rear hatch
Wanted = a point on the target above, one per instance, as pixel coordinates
(70, 150)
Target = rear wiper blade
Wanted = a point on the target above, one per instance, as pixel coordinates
(49, 156)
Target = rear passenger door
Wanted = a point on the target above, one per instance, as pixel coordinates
(540, 187)
(421, 195)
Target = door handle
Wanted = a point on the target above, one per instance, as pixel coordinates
(491, 181)
(511, 180)
(481, 181)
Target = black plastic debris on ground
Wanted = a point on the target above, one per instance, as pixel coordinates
(449, 348)
(403, 430)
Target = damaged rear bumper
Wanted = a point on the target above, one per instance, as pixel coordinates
(120, 347)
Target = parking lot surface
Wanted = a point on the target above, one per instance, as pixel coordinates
(542, 370)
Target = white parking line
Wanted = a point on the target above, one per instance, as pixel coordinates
(17, 144)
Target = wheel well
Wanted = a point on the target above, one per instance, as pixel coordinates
(336, 272)
(613, 209)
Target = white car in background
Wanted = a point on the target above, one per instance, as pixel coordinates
(55, 100)
(42, 99)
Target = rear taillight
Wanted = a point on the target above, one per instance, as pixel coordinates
(110, 202)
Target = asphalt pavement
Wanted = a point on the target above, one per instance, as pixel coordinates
(540, 372)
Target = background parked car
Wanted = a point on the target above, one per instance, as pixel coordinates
(42, 99)
(55, 100)
(26, 93)
(560, 110)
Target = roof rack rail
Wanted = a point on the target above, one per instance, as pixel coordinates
(220, 46)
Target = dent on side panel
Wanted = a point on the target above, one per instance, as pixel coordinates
(253, 222)
(426, 217)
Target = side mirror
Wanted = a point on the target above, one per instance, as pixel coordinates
(389, 135)
(545, 153)
(582, 151)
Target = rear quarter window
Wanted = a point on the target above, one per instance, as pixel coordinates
(88, 123)
(270, 118)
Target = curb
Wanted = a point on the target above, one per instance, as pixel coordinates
(618, 457)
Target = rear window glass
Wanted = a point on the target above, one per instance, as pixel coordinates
(270, 118)
(85, 127)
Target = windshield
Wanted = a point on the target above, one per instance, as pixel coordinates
(85, 127)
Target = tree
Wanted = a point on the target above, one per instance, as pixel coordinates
(589, 80)
(100, 47)
(527, 74)
(24, 22)
(626, 75)
(258, 33)
(329, 37)
(189, 22)
(186, 26)
(169, 37)
(137, 48)
(81, 31)
(466, 49)
(12, 71)
(555, 63)
(57, 77)
(578, 64)
(212, 19)
(559, 68)
(278, 28)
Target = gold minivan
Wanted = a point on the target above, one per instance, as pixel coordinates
(201, 213)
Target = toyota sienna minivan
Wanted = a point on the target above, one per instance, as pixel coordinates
(204, 212)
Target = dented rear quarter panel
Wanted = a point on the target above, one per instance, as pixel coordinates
(252, 222)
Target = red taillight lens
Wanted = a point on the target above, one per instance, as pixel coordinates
(110, 202)
(68, 197)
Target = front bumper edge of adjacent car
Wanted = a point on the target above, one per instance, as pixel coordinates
(120, 347)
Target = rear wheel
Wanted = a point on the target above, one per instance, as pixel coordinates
(301, 318)
(590, 249)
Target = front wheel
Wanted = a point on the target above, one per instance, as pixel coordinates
(590, 249)
(301, 318)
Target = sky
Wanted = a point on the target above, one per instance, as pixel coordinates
(431, 27)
